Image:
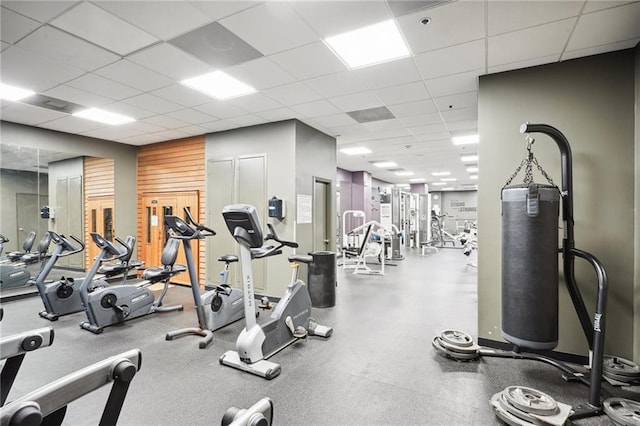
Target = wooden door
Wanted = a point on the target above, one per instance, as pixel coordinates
(101, 220)
(155, 207)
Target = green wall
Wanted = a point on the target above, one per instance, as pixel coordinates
(590, 100)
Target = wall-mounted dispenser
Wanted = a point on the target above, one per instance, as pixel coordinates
(47, 212)
(276, 208)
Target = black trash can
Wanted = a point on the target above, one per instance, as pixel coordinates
(322, 279)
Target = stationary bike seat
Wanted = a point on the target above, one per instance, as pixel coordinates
(228, 258)
(300, 258)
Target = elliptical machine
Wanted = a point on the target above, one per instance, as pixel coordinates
(106, 305)
(215, 308)
(291, 319)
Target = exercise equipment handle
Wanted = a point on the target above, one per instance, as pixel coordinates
(273, 236)
(199, 227)
(61, 240)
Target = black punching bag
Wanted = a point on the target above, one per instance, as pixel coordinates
(530, 265)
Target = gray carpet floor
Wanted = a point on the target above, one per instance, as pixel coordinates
(377, 368)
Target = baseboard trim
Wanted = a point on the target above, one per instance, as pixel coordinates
(559, 356)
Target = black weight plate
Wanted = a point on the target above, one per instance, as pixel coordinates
(530, 400)
(457, 338)
(622, 411)
(620, 366)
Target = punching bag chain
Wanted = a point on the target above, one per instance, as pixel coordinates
(527, 162)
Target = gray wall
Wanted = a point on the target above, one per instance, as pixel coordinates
(636, 319)
(459, 206)
(590, 100)
(124, 157)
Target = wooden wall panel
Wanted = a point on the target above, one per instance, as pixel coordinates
(173, 166)
(98, 182)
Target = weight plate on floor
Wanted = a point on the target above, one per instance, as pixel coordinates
(530, 400)
(622, 411)
(460, 349)
(437, 344)
(457, 338)
(620, 377)
(526, 417)
(507, 417)
(620, 366)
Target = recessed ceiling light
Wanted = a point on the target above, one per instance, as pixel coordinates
(448, 179)
(473, 169)
(356, 150)
(465, 140)
(403, 185)
(473, 177)
(469, 158)
(439, 183)
(103, 116)
(219, 85)
(369, 45)
(441, 173)
(448, 188)
(405, 173)
(385, 164)
(417, 180)
(12, 93)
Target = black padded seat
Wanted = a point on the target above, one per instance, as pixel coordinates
(14, 256)
(300, 258)
(112, 269)
(228, 258)
(157, 274)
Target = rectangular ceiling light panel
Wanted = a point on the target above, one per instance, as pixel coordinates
(219, 85)
(369, 45)
(441, 173)
(384, 164)
(465, 140)
(469, 158)
(103, 116)
(358, 150)
(406, 173)
(11, 93)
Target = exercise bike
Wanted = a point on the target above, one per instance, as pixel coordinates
(17, 274)
(215, 308)
(27, 244)
(106, 305)
(291, 319)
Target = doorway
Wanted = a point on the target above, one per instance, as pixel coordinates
(101, 220)
(321, 214)
(155, 207)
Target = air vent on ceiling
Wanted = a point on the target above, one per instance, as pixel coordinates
(55, 104)
(371, 114)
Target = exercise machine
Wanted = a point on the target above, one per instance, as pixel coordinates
(106, 305)
(3, 240)
(290, 320)
(48, 404)
(259, 414)
(113, 269)
(373, 246)
(17, 274)
(215, 308)
(27, 245)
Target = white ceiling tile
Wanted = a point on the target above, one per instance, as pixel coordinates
(316, 109)
(429, 135)
(218, 126)
(169, 135)
(164, 20)
(62, 47)
(134, 75)
(429, 129)
(461, 100)
(144, 127)
(27, 114)
(71, 124)
(220, 8)
(600, 49)
(463, 127)
(256, 102)
(4, 45)
(112, 132)
(191, 116)
(392, 73)
(32, 71)
(330, 18)
(311, 60)
(14, 26)
(452, 23)
(170, 61)
(357, 101)
(544, 40)
(507, 16)
(99, 27)
(77, 96)
(525, 64)
(182, 95)
(455, 83)
(452, 60)
(593, 6)
(460, 114)
(41, 11)
(129, 110)
(383, 125)
(165, 122)
(220, 109)
(292, 94)
(193, 130)
(260, 74)
(402, 94)
(335, 120)
(142, 139)
(413, 108)
(247, 120)
(606, 27)
(277, 114)
(420, 120)
(153, 103)
(270, 27)
(340, 84)
(101, 86)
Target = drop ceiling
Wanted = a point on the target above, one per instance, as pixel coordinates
(129, 56)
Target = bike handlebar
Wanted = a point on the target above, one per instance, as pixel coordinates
(64, 242)
(273, 236)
